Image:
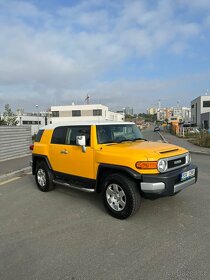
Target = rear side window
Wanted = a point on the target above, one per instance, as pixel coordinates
(39, 135)
(59, 135)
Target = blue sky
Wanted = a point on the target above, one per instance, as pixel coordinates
(120, 52)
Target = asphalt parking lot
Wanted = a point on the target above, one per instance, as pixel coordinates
(66, 234)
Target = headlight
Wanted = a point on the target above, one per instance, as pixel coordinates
(162, 165)
(188, 158)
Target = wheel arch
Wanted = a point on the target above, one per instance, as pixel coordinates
(106, 169)
(39, 158)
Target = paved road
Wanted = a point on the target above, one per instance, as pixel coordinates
(66, 234)
(14, 164)
(150, 135)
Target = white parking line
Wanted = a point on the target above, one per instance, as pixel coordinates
(9, 181)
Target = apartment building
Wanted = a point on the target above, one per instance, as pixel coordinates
(88, 112)
(200, 107)
(128, 111)
(152, 111)
(182, 113)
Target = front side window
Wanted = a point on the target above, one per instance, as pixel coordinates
(118, 133)
(59, 135)
(67, 135)
(75, 131)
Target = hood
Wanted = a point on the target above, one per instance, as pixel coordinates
(146, 149)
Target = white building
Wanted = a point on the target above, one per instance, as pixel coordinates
(35, 120)
(182, 113)
(186, 114)
(161, 114)
(199, 106)
(205, 120)
(128, 111)
(152, 111)
(177, 111)
(89, 112)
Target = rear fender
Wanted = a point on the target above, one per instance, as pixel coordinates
(38, 158)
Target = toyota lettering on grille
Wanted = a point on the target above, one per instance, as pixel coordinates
(177, 161)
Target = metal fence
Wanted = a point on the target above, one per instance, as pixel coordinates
(14, 141)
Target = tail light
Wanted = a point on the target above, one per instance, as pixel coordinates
(31, 147)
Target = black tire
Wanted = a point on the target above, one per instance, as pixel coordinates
(44, 177)
(121, 196)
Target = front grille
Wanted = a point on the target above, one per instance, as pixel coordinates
(176, 162)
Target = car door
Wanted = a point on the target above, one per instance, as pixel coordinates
(66, 156)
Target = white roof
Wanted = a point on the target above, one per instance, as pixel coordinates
(78, 107)
(52, 126)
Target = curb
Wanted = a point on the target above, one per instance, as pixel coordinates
(162, 137)
(199, 153)
(12, 174)
(192, 152)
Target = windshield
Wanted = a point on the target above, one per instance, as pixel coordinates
(117, 133)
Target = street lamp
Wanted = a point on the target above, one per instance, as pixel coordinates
(37, 106)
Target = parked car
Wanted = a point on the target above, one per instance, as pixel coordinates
(157, 128)
(112, 158)
(193, 130)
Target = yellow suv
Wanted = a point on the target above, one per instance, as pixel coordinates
(112, 158)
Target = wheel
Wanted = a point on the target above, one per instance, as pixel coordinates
(44, 177)
(120, 196)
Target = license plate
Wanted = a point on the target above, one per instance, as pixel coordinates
(187, 174)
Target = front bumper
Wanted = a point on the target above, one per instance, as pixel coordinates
(168, 183)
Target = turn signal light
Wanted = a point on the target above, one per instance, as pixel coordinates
(146, 164)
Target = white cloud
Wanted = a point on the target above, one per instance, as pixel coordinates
(20, 8)
(67, 51)
(194, 5)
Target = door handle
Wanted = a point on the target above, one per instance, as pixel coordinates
(64, 152)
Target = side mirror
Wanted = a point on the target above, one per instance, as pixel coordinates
(81, 141)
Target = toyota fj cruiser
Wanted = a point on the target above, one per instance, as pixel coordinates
(112, 158)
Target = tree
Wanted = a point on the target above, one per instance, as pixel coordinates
(9, 118)
(2, 122)
(148, 117)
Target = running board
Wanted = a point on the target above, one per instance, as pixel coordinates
(59, 182)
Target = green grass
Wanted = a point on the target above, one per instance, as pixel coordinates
(202, 140)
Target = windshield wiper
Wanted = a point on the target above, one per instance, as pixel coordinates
(124, 140)
(140, 139)
(132, 140)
